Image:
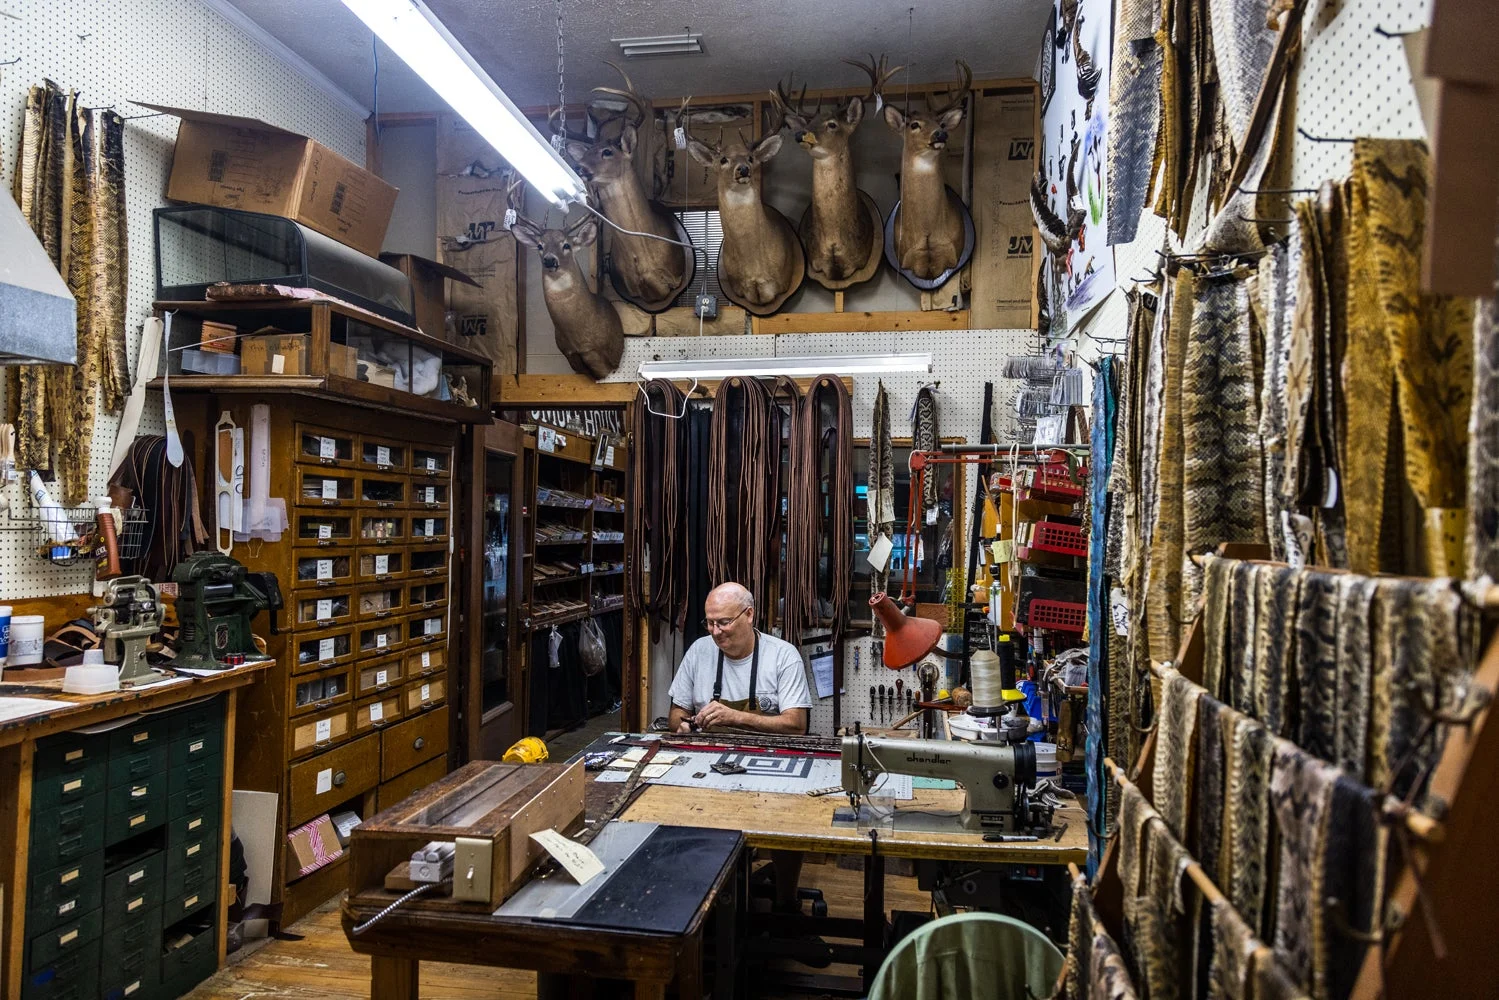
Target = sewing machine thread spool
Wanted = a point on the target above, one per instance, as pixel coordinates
(985, 683)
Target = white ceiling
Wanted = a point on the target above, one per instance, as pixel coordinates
(749, 43)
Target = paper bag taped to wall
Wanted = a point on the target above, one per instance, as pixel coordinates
(1004, 139)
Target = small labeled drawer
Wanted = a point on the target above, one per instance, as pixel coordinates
(137, 793)
(325, 488)
(380, 638)
(70, 831)
(206, 772)
(316, 785)
(378, 677)
(323, 649)
(194, 802)
(136, 764)
(134, 889)
(324, 529)
(324, 610)
(73, 975)
(136, 817)
(382, 454)
(429, 495)
(383, 492)
(318, 446)
(424, 595)
(412, 742)
(382, 528)
(377, 567)
(71, 936)
(68, 753)
(72, 785)
(130, 956)
(423, 693)
(324, 568)
(144, 733)
(57, 896)
(203, 719)
(377, 713)
(192, 748)
(425, 528)
(380, 602)
(189, 827)
(315, 692)
(190, 955)
(431, 461)
(187, 851)
(428, 560)
(427, 628)
(427, 661)
(191, 887)
(319, 731)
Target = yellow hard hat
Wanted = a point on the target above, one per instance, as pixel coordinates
(529, 750)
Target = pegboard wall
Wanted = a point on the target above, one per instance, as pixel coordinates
(179, 53)
(1352, 81)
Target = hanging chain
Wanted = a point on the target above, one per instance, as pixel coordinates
(558, 137)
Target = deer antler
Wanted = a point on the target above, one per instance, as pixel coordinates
(792, 103)
(955, 96)
(552, 126)
(629, 94)
(877, 73)
(743, 139)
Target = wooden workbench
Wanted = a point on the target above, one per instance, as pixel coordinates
(17, 747)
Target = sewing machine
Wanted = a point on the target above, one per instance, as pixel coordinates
(130, 615)
(996, 781)
(216, 602)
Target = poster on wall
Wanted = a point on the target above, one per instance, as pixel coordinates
(1073, 215)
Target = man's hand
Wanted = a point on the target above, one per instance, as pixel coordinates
(716, 713)
(685, 727)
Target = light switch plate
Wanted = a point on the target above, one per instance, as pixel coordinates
(471, 869)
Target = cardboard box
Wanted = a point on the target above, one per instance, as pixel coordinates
(248, 164)
(311, 846)
(218, 336)
(343, 360)
(429, 289)
(258, 354)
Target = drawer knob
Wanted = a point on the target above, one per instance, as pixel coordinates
(339, 777)
(418, 743)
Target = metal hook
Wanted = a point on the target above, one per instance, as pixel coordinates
(1386, 33)
(11, 62)
(1321, 138)
(1265, 222)
(1244, 190)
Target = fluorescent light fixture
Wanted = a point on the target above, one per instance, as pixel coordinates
(822, 364)
(415, 34)
(660, 45)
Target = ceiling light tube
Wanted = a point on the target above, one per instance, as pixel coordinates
(415, 34)
(660, 45)
(823, 364)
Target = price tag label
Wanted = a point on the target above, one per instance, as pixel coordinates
(380, 677)
(326, 448)
(430, 493)
(377, 711)
(1119, 611)
(330, 489)
(325, 651)
(325, 608)
(324, 730)
(431, 464)
(325, 569)
(382, 565)
(324, 531)
(426, 692)
(431, 526)
(380, 640)
(426, 660)
(324, 779)
(432, 626)
(546, 439)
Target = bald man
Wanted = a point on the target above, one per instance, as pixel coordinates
(737, 677)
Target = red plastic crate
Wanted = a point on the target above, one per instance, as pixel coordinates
(1056, 536)
(1063, 616)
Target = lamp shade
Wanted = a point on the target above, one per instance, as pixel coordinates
(38, 314)
(907, 639)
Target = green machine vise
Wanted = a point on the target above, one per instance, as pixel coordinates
(217, 599)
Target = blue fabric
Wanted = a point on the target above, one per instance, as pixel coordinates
(1095, 746)
(1035, 707)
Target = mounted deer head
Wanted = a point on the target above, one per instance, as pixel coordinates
(646, 272)
(760, 263)
(841, 229)
(589, 332)
(930, 235)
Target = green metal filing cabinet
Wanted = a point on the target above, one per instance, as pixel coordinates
(124, 860)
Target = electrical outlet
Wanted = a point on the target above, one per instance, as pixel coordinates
(706, 306)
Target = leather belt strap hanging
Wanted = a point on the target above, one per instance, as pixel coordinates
(658, 530)
(744, 462)
(819, 527)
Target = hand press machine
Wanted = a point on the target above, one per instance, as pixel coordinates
(127, 619)
(216, 602)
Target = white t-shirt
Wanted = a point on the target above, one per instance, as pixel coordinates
(780, 684)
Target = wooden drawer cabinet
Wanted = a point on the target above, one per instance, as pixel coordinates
(380, 638)
(377, 713)
(318, 609)
(380, 602)
(324, 447)
(425, 662)
(323, 529)
(431, 462)
(427, 629)
(426, 528)
(383, 454)
(412, 742)
(430, 494)
(425, 692)
(383, 491)
(378, 566)
(323, 569)
(428, 561)
(322, 690)
(318, 731)
(377, 677)
(322, 649)
(383, 527)
(325, 488)
(427, 593)
(318, 784)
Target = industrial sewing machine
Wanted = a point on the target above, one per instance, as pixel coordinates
(216, 602)
(996, 781)
(130, 615)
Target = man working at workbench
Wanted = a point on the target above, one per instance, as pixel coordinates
(737, 677)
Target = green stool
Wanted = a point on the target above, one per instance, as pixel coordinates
(970, 956)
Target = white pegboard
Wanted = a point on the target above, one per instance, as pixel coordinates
(169, 52)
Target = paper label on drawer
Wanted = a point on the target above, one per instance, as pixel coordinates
(430, 494)
(382, 565)
(72, 786)
(426, 660)
(324, 779)
(377, 712)
(380, 640)
(431, 464)
(68, 877)
(432, 626)
(426, 692)
(324, 608)
(325, 649)
(278, 364)
(431, 526)
(195, 746)
(73, 755)
(69, 937)
(135, 904)
(330, 489)
(194, 824)
(189, 902)
(137, 820)
(324, 531)
(132, 987)
(138, 791)
(136, 876)
(67, 907)
(324, 730)
(326, 448)
(140, 737)
(581, 863)
(382, 455)
(325, 569)
(381, 676)
(194, 849)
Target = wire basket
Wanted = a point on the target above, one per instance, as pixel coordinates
(130, 535)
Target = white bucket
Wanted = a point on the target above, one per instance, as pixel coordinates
(26, 640)
(1046, 761)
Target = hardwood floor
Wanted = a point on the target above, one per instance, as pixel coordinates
(322, 964)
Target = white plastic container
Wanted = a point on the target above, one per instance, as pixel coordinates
(1046, 761)
(26, 639)
(92, 676)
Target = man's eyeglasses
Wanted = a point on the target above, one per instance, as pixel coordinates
(722, 623)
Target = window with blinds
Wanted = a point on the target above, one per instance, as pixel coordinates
(706, 231)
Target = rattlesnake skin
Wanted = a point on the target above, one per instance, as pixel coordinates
(1483, 441)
